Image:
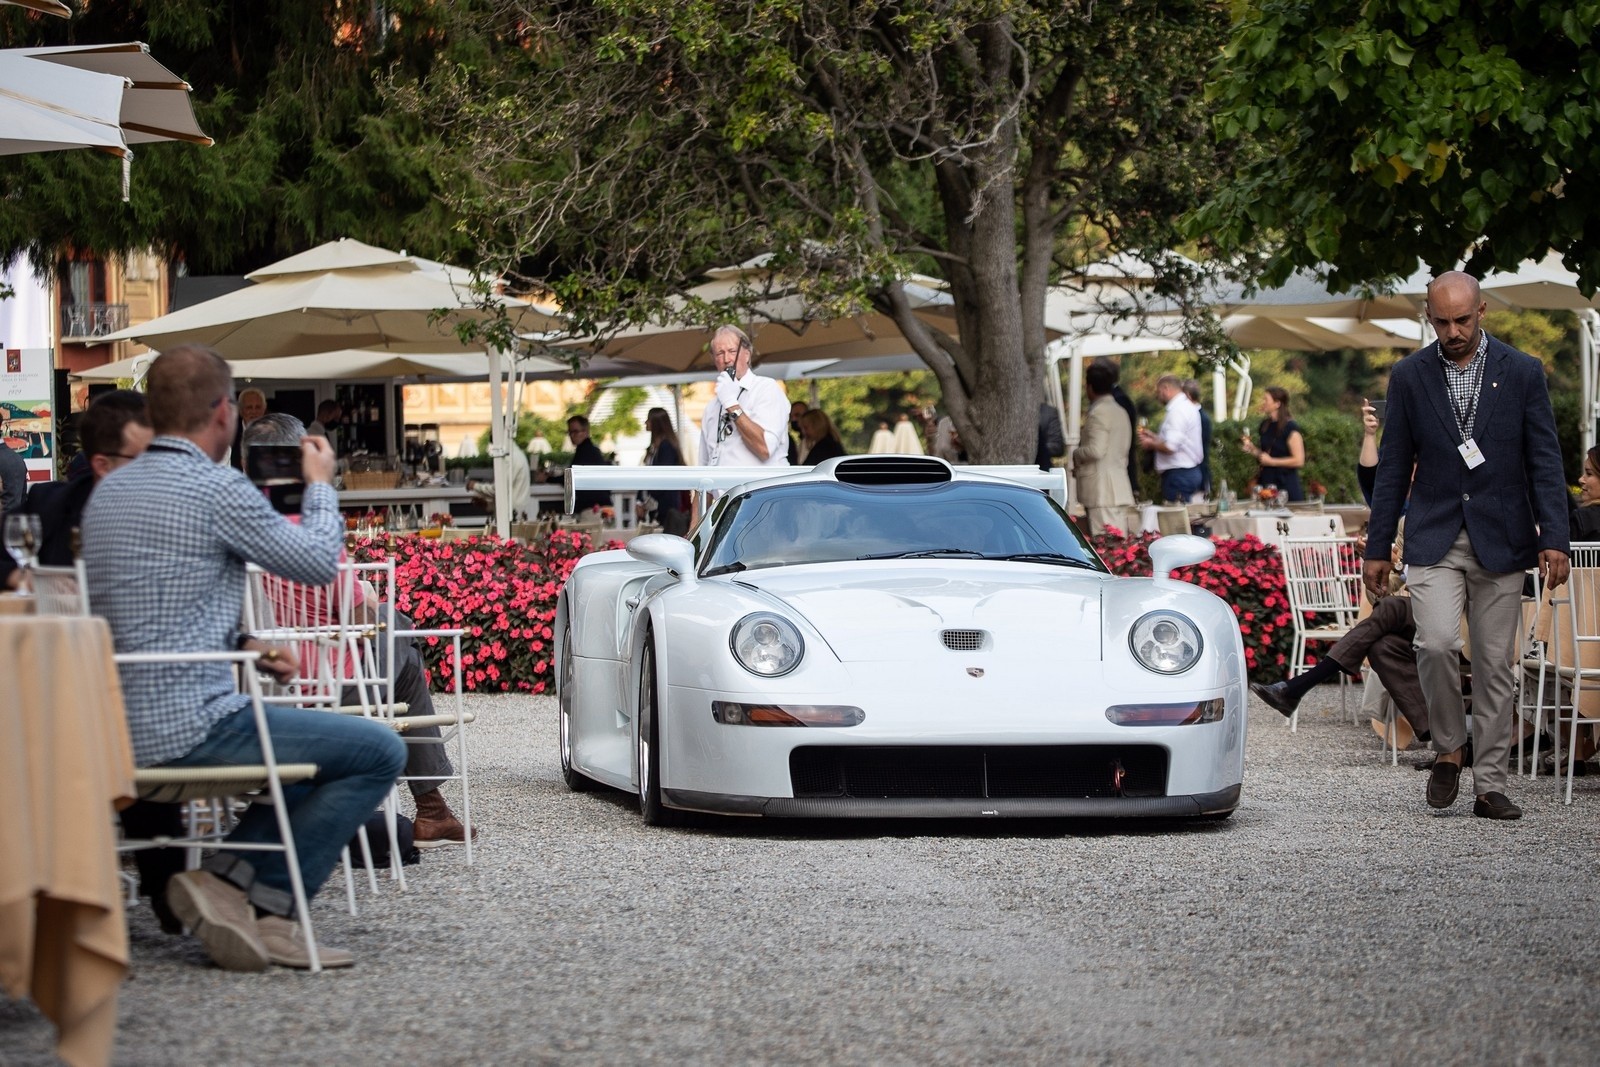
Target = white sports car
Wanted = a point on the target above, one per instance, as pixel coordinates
(892, 636)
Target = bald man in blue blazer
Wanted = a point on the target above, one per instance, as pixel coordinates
(1487, 502)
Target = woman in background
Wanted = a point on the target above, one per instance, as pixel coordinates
(1282, 449)
(821, 439)
(1583, 519)
(671, 505)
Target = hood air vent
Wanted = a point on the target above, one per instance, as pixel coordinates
(892, 470)
(962, 640)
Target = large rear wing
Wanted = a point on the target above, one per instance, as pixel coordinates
(721, 479)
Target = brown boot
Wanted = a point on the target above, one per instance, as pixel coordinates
(436, 824)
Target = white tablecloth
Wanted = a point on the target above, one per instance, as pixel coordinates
(1273, 527)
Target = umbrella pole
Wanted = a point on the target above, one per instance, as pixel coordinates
(497, 446)
(1072, 419)
(1588, 327)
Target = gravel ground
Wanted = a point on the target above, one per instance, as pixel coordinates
(1334, 919)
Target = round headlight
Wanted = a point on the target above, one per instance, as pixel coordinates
(1165, 642)
(766, 644)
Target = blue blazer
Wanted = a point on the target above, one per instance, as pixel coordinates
(1513, 505)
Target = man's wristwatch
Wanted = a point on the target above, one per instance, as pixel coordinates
(736, 412)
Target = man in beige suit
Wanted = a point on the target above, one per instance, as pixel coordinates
(1101, 461)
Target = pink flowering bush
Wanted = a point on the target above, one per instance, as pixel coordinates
(503, 594)
(1247, 573)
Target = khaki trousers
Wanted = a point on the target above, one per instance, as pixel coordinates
(1493, 602)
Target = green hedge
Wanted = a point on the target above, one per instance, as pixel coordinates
(1333, 441)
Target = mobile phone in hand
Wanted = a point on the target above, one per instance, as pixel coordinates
(1379, 408)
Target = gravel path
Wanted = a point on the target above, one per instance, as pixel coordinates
(1334, 919)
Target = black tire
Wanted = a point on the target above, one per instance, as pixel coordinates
(577, 782)
(647, 746)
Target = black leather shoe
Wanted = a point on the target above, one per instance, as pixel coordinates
(1495, 806)
(1443, 783)
(1275, 696)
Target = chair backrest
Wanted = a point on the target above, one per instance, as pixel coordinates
(60, 590)
(1172, 520)
(1322, 574)
(316, 621)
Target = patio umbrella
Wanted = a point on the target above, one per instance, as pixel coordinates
(346, 294)
(395, 302)
(346, 365)
(155, 103)
(43, 7)
(91, 96)
(780, 321)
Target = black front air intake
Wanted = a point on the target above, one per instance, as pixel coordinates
(978, 771)
(891, 470)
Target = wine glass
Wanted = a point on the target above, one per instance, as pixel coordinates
(22, 535)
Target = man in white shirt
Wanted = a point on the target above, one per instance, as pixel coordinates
(747, 424)
(1178, 448)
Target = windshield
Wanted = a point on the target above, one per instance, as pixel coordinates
(827, 522)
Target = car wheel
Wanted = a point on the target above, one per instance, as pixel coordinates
(648, 746)
(578, 783)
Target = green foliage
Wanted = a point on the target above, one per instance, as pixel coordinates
(622, 420)
(529, 426)
(1333, 443)
(307, 150)
(854, 143)
(856, 404)
(1375, 131)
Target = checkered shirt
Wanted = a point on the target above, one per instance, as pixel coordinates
(165, 543)
(1465, 382)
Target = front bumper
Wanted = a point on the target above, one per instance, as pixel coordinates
(1219, 802)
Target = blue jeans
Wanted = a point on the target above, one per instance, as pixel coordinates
(1180, 483)
(357, 763)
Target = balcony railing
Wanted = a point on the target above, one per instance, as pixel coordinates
(92, 320)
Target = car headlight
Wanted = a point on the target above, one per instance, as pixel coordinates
(766, 644)
(1165, 642)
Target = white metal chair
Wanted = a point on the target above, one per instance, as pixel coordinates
(1576, 659)
(320, 624)
(376, 693)
(176, 785)
(59, 590)
(1322, 576)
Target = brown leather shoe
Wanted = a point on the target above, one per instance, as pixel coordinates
(436, 825)
(220, 915)
(1495, 806)
(286, 945)
(1443, 783)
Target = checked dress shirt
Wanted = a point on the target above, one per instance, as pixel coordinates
(165, 543)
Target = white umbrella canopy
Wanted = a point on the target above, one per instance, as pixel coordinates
(43, 7)
(92, 96)
(346, 365)
(1546, 285)
(399, 306)
(46, 109)
(781, 324)
(155, 104)
(1320, 334)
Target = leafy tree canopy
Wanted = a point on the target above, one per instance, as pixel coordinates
(632, 144)
(306, 150)
(1392, 129)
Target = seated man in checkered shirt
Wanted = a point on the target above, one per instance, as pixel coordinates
(165, 543)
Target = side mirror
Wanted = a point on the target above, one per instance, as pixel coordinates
(670, 551)
(1177, 550)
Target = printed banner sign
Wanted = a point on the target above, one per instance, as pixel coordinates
(27, 409)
